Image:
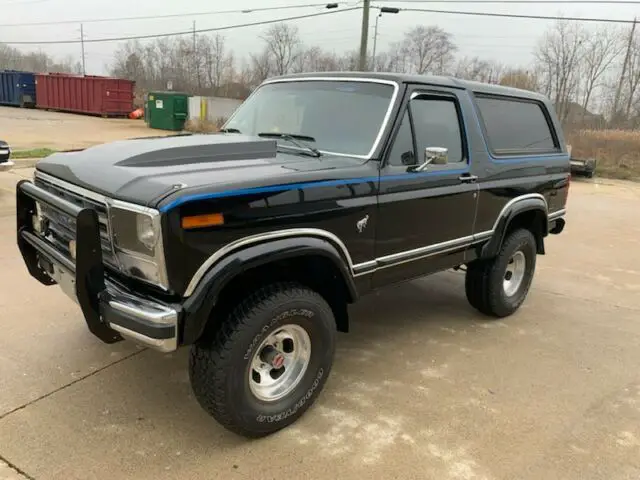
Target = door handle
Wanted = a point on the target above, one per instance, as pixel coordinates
(468, 178)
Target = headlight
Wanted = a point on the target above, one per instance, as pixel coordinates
(147, 234)
(137, 242)
(133, 231)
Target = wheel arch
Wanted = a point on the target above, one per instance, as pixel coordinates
(530, 212)
(316, 262)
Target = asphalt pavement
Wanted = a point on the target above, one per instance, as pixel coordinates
(424, 387)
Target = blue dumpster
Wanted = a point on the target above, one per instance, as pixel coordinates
(17, 88)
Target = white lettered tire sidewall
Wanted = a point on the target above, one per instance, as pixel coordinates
(300, 307)
(289, 407)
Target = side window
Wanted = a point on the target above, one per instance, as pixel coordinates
(436, 124)
(402, 153)
(516, 126)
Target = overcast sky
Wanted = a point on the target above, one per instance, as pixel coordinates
(507, 40)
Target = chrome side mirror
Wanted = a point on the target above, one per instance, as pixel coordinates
(435, 156)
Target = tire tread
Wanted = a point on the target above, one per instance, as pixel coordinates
(483, 282)
(209, 362)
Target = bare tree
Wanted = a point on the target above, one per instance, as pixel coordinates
(428, 49)
(218, 64)
(572, 67)
(314, 59)
(475, 68)
(348, 62)
(261, 67)
(12, 58)
(601, 49)
(559, 54)
(283, 45)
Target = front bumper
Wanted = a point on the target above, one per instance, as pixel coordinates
(112, 312)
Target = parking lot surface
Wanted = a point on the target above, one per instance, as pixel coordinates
(25, 129)
(423, 387)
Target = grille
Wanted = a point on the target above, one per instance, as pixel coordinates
(61, 228)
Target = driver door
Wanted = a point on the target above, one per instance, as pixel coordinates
(425, 212)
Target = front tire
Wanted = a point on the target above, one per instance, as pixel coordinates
(268, 362)
(499, 286)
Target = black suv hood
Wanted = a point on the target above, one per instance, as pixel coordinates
(145, 170)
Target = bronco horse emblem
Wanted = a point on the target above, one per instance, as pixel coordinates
(362, 224)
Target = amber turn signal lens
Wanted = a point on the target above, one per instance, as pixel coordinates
(201, 221)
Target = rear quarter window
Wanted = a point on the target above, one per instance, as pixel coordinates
(516, 126)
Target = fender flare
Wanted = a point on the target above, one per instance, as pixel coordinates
(517, 206)
(198, 306)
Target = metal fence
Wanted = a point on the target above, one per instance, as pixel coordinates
(211, 108)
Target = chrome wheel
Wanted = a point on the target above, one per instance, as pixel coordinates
(280, 363)
(514, 275)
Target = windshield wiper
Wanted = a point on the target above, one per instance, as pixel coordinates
(293, 138)
(230, 130)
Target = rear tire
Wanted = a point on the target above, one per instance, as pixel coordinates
(268, 362)
(498, 287)
(474, 286)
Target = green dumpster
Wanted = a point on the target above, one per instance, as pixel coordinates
(167, 110)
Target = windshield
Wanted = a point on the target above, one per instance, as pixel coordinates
(341, 116)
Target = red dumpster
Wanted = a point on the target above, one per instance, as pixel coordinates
(89, 94)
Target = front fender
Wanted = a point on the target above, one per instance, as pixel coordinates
(199, 305)
(511, 211)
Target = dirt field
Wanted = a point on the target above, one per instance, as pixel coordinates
(25, 129)
(423, 387)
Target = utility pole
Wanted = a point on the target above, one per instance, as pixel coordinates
(84, 70)
(196, 66)
(375, 42)
(616, 100)
(194, 37)
(364, 35)
(375, 35)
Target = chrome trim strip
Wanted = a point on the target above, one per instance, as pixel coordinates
(426, 250)
(161, 316)
(108, 201)
(385, 121)
(557, 214)
(152, 212)
(356, 270)
(483, 235)
(246, 241)
(71, 187)
(166, 345)
(426, 255)
(364, 268)
(422, 252)
(506, 208)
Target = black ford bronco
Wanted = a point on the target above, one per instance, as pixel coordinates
(249, 244)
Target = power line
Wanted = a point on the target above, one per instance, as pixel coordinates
(26, 2)
(593, 2)
(171, 15)
(514, 15)
(187, 32)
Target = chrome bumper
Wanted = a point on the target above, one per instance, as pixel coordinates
(110, 310)
(140, 320)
